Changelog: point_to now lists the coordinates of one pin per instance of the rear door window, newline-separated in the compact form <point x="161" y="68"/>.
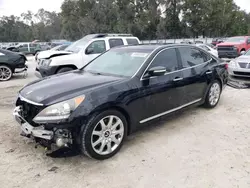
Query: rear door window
<point x="204" y="47"/>
<point x="192" y="57"/>
<point x="115" y="42"/>
<point x="132" y="41"/>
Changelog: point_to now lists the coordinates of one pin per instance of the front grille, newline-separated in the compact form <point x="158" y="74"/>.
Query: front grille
<point x="225" y="48"/>
<point x="242" y="73"/>
<point x="243" y="65"/>
<point x="29" y="111"/>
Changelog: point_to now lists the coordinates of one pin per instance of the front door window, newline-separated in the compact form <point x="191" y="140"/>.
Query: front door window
<point x="96" y="47"/>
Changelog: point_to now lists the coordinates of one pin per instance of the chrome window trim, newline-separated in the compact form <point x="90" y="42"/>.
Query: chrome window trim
<point x="175" y="70"/>
<point x="145" y="61"/>
<point x="29" y="101"/>
<point x="169" y="111"/>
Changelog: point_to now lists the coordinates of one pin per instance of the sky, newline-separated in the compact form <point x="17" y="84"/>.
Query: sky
<point x="16" y="7"/>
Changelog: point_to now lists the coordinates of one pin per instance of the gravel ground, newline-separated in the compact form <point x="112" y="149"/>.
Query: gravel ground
<point x="197" y="148"/>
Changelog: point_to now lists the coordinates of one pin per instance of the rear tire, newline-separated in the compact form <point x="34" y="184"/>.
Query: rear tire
<point x="213" y="95"/>
<point x="5" y="73"/>
<point x="103" y="136"/>
<point x="64" y="69"/>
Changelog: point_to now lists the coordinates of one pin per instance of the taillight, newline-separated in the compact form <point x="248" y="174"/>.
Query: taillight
<point x="226" y="65"/>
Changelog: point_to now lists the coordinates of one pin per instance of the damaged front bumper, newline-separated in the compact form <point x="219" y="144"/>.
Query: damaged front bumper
<point x="29" y="130"/>
<point x="59" y="137"/>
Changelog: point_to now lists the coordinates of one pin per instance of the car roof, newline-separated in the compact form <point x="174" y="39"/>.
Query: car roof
<point x="108" y="35"/>
<point x="152" y="47"/>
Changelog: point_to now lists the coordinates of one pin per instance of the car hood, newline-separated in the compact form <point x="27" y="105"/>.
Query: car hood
<point x="50" y="53"/>
<point x="65" y="86"/>
<point x="243" y="58"/>
<point x="229" y="44"/>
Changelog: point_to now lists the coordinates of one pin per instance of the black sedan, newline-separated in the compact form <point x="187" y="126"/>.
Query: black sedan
<point x="10" y="62"/>
<point x="95" y="108"/>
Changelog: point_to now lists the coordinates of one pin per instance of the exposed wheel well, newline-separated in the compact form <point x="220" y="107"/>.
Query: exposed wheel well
<point x="219" y="80"/>
<point x="63" y="66"/>
<point x="243" y="49"/>
<point x="5" y="64"/>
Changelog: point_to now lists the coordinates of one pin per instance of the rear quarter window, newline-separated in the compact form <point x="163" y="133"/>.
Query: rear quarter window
<point x="206" y="56"/>
<point x="115" y="42"/>
<point x="132" y="41"/>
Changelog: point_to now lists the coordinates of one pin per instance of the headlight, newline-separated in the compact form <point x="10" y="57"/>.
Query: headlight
<point x="232" y="64"/>
<point x="235" y="48"/>
<point x="45" y="62"/>
<point x="59" y="111"/>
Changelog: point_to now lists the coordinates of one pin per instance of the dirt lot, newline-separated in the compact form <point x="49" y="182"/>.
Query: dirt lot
<point x="198" y="148"/>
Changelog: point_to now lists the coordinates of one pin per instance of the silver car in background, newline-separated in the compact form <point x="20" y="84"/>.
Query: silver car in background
<point x="240" y="67"/>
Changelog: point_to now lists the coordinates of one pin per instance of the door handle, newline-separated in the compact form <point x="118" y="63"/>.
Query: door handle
<point x="209" y="72"/>
<point x="177" y="79"/>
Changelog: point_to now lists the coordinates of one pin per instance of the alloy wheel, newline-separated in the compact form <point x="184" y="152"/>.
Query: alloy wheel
<point x="214" y="94"/>
<point x="107" y="135"/>
<point x="5" y="73"/>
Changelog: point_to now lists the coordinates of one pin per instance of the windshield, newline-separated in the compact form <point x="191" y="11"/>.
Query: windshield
<point x="78" y="45"/>
<point x="236" y="39"/>
<point x="56" y="47"/>
<point x="120" y="62"/>
<point x="247" y="53"/>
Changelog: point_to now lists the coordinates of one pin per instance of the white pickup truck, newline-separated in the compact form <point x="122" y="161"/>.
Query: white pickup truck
<point x="80" y="53"/>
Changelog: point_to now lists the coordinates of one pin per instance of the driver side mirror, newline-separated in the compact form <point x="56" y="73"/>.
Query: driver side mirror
<point x="156" y="71"/>
<point x="89" y="51"/>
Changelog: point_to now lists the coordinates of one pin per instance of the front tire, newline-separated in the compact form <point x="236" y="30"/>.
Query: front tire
<point x="103" y="136"/>
<point x="213" y="95"/>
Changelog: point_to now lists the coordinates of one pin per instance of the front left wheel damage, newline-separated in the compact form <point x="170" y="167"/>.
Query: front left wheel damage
<point x="61" y="144"/>
<point x="101" y="137"/>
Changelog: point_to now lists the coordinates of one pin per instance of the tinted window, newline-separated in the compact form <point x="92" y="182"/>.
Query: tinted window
<point x="115" y="42"/>
<point x="204" y="47"/>
<point x="166" y="58"/>
<point x="191" y="57"/>
<point x="33" y="45"/>
<point x="206" y="57"/>
<point x="248" y="40"/>
<point x="97" y="47"/>
<point x="132" y="41"/>
<point x="24" y="46"/>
